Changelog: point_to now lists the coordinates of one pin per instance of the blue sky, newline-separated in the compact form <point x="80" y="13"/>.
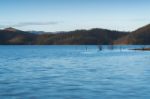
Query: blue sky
<point x="66" y="15"/>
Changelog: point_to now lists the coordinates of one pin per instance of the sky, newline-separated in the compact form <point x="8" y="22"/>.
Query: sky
<point x="67" y="15"/>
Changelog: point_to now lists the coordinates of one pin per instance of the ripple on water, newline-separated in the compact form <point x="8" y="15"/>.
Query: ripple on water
<point x="37" y="72"/>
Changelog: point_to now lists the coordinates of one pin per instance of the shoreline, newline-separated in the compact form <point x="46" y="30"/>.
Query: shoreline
<point x="142" y="49"/>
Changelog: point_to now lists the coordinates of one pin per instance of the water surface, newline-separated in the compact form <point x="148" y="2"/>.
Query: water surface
<point x="72" y="72"/>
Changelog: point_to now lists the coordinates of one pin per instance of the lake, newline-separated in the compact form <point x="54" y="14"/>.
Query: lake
<point x="72" y="72"/>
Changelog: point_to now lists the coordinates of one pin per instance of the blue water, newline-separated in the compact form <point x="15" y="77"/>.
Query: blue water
<point x="71" y="72"/>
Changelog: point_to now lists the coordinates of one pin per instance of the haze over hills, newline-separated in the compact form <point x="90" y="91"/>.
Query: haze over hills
<point x="12" y="36"/>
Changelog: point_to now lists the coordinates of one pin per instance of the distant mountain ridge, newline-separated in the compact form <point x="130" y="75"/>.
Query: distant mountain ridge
<point x="12" y="36"/>
<point x="11" y="29"/>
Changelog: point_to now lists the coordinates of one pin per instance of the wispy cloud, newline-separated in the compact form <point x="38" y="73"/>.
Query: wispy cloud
<point x="23" y="24"/>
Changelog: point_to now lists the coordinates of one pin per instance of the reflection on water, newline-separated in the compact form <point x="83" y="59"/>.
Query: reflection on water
<point x="71" y="72"/>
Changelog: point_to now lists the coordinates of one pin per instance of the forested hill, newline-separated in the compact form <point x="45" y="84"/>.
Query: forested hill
<point x="11" y="36"/>
<point x="140" y="36"/>
<point x="81" y="37"/>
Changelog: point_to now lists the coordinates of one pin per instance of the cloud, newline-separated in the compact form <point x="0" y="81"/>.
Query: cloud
<point x="24" y="24"/>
